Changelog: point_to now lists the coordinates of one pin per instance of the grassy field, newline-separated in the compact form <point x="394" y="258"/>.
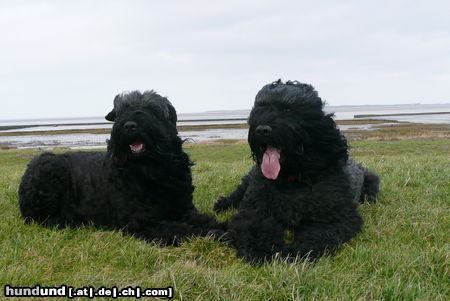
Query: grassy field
<point x="403" y="253"/>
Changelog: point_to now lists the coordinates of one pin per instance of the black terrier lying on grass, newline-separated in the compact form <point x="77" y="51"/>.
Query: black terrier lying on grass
<point x="303" y="180"/>
<point x="142" y="184"/>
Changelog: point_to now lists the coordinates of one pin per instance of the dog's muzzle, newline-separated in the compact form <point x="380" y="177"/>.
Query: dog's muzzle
<point x="130" y="129"/>
<point x="270" y="163"/>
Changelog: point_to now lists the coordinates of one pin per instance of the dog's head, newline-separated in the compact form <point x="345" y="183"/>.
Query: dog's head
<point x="144" y="126"/>
<point x="290" y="134"/>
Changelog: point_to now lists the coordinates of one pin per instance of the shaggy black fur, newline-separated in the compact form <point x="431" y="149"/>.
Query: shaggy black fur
<point x="303" y="182"/>
<point x="142" y="184"/>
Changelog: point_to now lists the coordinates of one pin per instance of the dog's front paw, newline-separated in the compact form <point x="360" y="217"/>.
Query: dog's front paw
<point x="222" y="204"/>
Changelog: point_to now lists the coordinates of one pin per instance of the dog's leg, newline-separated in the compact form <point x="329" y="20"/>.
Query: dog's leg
<point x="317" y="238"/>
<point x="173" y="232"/>
<point x="256" y="238"/>
<point x="234" y="199"/>
<point x="163" y="232"/>
<point x="371" y="187"/>
<point x="202" y="224"/>
<point x="45" y="190"/>
<point x="199" y="224"/>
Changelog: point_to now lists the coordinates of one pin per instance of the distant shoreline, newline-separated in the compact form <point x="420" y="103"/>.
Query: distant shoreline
<point x="191" y="127"/>
<point x="181" y="115"/>
<point x="398" y="114"/>
<point x="180" y="128"/>
<point x="18" y="127"/>
<point x="381" y="131"/>
<point x="356" y="123"/>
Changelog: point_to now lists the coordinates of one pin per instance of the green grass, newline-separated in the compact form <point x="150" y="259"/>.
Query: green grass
<point x="403" y="253"/>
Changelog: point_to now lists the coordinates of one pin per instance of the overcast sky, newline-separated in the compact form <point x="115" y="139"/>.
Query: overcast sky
<point x="70" y="58"/>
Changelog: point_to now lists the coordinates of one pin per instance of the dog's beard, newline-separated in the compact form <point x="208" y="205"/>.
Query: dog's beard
<point x="124" y="147"/>
<point x="269" y="157"/>
<point x="136" y="145"/>
<point x="277" y="154"/>
<point x="143" y="146"/>
<point x="266" y="151"/>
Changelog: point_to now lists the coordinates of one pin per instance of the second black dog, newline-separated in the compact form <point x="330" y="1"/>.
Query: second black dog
<point x="301" y="196"/>
<point x="142" y="184"/>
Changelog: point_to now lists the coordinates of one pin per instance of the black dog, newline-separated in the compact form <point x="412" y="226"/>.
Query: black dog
<point x="142" y="184"/>
<point x="303" y="184"/>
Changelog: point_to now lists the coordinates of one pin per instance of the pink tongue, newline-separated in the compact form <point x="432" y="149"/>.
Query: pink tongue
<point x="270" y="166"/>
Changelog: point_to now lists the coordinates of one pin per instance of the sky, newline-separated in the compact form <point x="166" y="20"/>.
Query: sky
<point x="70" y="58"/>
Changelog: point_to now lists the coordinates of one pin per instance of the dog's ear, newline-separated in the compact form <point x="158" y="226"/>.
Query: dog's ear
<point x="172" y="113"/>
<point x="111" y="115"/>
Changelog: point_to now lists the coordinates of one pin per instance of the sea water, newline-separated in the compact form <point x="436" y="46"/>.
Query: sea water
<point x="88" y="140"/>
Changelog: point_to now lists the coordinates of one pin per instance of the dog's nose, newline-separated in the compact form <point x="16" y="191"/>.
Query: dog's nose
<point x="130" y="126"/>
<point x="263" y="130"/>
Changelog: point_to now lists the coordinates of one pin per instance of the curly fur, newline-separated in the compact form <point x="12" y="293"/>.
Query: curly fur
<point x="316" y="193"/>
<point x="146" y="193"/>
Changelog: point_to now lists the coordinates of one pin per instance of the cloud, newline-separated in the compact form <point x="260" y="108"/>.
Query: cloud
<point x="69" y="58"/>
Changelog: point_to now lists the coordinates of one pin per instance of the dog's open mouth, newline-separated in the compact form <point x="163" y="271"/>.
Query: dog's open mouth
<point x="270" y="165"/>
<point x="137" y="147"/>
